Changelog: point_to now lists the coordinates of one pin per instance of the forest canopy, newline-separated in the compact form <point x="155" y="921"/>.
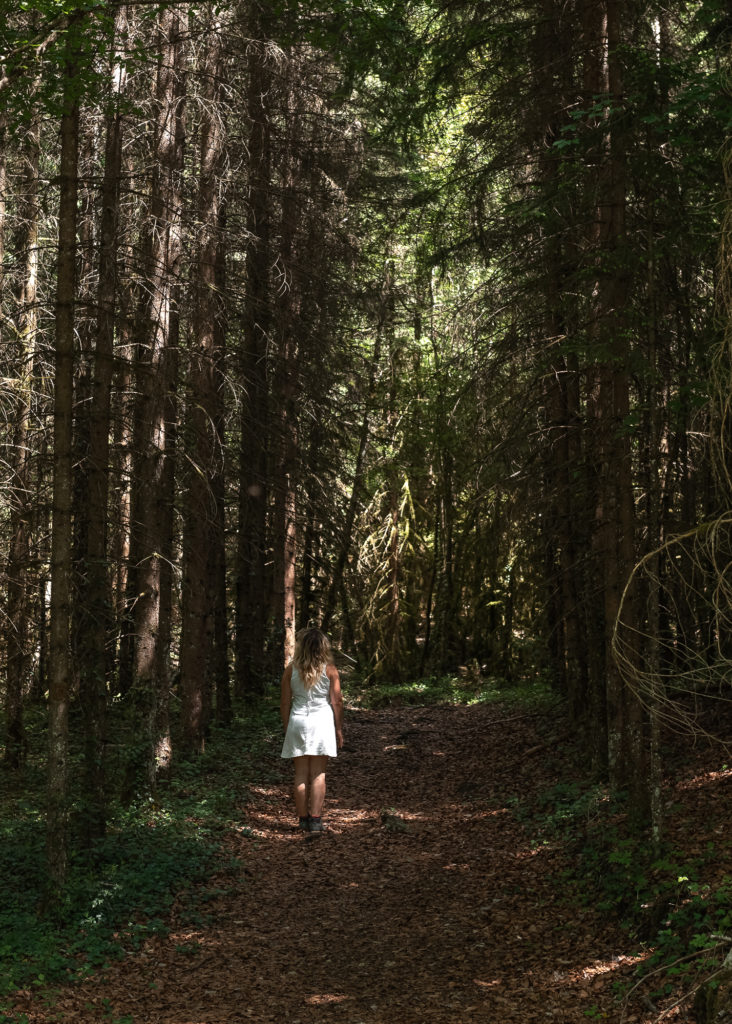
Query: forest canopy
<point x="403" y="319"/>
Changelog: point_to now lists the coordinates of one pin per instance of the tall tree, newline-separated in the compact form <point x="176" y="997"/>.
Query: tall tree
<point x="610" y="404"/>
<point x="24" y="343"/>
<point x="61" y="538"/>
<point x="286" y="363"/>
<point x="204" y="564"/>
<point x="251" y="574"/>
<point x="152" y="512"/>
<point x="95" y="611"/>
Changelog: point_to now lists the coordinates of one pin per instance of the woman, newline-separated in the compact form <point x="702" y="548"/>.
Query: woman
<point x="311" y="706"/>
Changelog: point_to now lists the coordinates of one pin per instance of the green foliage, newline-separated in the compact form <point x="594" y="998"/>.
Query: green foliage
<point x="49" y="52"/>
<point x="121" y="890"/>
<point x="650" y="891"/>
<point x="688" y="942"/>
<point x="108" y="906"/>
<point x="449" y="689"/>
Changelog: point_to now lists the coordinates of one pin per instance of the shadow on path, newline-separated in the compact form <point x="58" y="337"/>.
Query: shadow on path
<point x="423" y="903"/>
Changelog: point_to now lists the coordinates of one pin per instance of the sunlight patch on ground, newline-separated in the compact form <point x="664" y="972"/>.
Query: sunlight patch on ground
<point x="607" y="966"/>
<point x="592" y="980"/>
<point x="267" y="823"/>
<point x="411" y="815"/>
<point x="699" y="781"/>
<point x="352" y="817"/>
<point x="593" y="975"/>
<point x="527" y="854"/>
<point x="267" y="790"/>
<point x="181" y="938"/>
<point x="325" y="999"/>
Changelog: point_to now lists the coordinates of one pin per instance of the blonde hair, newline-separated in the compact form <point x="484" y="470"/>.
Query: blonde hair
<point x="312" y="654"/>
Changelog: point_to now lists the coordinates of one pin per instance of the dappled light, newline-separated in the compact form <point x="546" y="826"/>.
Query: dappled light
<point x="325" y="999"/>
<point x="417" y="905"/>
<point x="707" y="779"/>
<point x="383" y="345"/>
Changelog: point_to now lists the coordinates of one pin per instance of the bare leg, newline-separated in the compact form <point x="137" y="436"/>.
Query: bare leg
<point x="301" y="785"/>
<point x="317" y="784"/>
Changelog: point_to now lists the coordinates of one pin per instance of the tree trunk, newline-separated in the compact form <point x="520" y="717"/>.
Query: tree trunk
<point x="41" y="554"/>
<point x="61" y="536"/>
<point x="3" y="209"/>
<point x="392" y="667"/>
<point x="251" y="591"/>
<point x="614" y="512"/>
<point x="592" y="583"/>
<point x="630" y="770"/>
<point x="203" y="557"/>
<point x="564" y="473"/>
<point x="154" y="442"/>
<point x="285" y="383"/>
<point x="309" y="610"/>
<point x="284" y="526"/>
<point x="219" y="664"/>
<point x="21" y="498"/>
<point x="95" y="611"/>
<point x="654" y="527"/>
<point x="122" y="473"/>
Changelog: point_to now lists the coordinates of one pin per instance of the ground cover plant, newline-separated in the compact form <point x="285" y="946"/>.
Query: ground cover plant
<point x="673" y="898"/>
<point x="411" y="319"/>
<point x="468" y="796"/>
<point x="121" y="888"/>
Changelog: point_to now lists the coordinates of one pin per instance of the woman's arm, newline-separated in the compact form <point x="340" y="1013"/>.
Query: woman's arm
<point x="286" y="696"/>
<point x="336" y="701"/>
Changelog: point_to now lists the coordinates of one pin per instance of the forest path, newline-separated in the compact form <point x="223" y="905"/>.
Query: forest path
<point x="424" y="903"/>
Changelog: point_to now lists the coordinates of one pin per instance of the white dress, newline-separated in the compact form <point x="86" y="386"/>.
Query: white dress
<point x="311" y="728"/>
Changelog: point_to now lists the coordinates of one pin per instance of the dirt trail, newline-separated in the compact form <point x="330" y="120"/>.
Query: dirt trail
<point x="424" y="903"/>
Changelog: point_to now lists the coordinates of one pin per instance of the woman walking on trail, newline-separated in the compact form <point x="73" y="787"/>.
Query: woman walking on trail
<point x="311" y="707"/>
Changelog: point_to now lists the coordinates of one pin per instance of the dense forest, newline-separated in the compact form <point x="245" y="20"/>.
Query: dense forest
<point x="403" y="319"/>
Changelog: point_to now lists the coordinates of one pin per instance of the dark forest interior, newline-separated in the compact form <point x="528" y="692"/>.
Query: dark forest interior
<point x="408" y="320"/>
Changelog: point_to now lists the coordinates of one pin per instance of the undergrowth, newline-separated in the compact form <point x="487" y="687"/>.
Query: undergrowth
<point x="679" y="923"/>
<point x="166" y="854"/>
<point x="465" y="689"/>
<point x="121" y="890"/>
<point x="156" y="854"/>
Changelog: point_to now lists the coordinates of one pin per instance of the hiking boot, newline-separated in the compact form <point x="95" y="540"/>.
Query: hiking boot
<point x="316" y="825"/>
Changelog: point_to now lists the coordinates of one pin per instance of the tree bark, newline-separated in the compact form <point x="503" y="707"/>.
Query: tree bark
<point x="285" y="377"/>
<point x="61" y="536"/>
<point x="21" y="497"/>
<point x="219" y="663"/>
<point x="392" y="664"/>
<point x="614" y="511"/>
<point x="95" y="598"/>
<point x="203" y="555"/>
<point x="155" y="408"/>
<point x="122" y="472"/>
<point x="251" y="578"/>
<point x="3" y="208"/>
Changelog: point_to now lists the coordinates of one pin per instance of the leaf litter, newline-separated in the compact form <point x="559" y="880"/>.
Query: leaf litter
<point x="424" y="902"/>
